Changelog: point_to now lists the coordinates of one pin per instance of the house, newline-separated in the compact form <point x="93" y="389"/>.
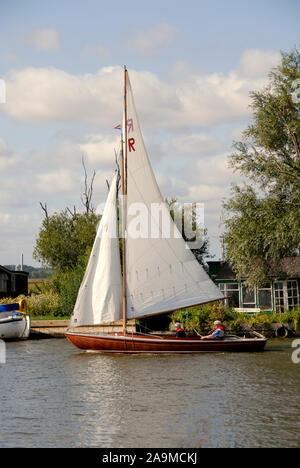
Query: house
<point x="280" y="293"/>
<point x="13" y="283"/>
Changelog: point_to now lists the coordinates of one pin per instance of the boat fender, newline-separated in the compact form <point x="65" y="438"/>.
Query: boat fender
<point x="22" y="305"/>
<point x="281" y="332"/>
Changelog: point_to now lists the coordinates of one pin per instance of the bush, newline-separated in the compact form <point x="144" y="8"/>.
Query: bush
<point x="43" y="305"/>
<point x="66" y="286"/>
<point x="63" y="286"/>
<point x="202" y="317"/>
<point x="38" y="305"/>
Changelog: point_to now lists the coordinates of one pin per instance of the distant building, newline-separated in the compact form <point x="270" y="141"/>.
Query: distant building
<point x="13" y="283"/>
<point x="281" y="292"/>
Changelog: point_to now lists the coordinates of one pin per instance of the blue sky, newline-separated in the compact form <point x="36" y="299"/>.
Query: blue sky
<point x="61" y="63"/>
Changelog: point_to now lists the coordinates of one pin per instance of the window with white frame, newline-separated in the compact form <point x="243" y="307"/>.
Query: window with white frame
<point x="232" y="290"/>
<point x="279" y="296"/>
<point x="248" y="297"/>
<point x="286" y="295"/>
<point x="292" y="294"/>
<point x="265" y="296"/>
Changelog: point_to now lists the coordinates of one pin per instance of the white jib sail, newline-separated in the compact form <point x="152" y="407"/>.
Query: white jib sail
<point x="162" y="272"/>
<point x="99" y="298"/>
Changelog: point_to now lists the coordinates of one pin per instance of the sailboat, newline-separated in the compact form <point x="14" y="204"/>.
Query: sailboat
<point x="159" y="273"/>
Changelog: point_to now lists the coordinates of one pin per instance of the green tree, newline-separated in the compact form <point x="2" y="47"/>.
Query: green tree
<point x="262" y="220"/>
<point x="64" y="238"/>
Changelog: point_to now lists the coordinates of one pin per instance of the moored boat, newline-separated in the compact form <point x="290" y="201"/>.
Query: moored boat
<point x="159" y="272"/>
<point x="14" y="322"/>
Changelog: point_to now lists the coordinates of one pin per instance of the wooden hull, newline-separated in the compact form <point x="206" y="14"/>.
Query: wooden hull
<point x="119" y="343"/>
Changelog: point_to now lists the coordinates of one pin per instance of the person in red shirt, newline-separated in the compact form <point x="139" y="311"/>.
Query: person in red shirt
<point x="179" y="330"/>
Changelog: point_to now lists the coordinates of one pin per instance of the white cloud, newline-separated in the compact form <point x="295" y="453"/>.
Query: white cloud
<point x="257" y="63"/>
<point x="45" y="39"/>
<point x="99" y="149"/>
<point x="193" y="144"/>
<point x="52" y="95"/>
<point x="150" y="41"/>
<point x="213" y="172"/>
<point x="62" y="180"/>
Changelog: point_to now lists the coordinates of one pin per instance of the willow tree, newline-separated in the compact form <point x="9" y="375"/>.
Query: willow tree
<point x="262" y="217"/>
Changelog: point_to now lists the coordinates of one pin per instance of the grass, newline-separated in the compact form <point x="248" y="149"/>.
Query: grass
<point x="36" y="285"/>
<point x="48" y="317"/>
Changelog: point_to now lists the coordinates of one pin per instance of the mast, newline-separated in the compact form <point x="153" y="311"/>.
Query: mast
<point x="124" y="196"/>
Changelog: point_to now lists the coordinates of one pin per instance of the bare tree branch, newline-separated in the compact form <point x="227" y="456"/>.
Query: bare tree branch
<point x="45" y="209"/>
<point x="88" y="190"/>
<point x="72" y="213"/>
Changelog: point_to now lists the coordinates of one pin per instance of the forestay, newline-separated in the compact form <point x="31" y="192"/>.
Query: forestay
<point x="100" y="295"/>
<point x="162" y="272"/>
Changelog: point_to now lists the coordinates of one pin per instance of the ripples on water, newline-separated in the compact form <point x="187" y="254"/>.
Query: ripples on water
<point x="53" y="395"/>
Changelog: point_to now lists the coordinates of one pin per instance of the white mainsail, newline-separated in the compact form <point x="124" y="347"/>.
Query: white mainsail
<point x="100" y="295"/>
<point x="162" y="272"/>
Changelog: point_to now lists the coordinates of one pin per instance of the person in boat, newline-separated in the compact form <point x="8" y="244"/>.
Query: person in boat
<point x="217" y="334"/>
<point x="180" y="333"/>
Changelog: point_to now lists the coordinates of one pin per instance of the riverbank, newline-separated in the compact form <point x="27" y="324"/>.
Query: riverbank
<point x="57" y="329"/>
<point x="45" y="321"/>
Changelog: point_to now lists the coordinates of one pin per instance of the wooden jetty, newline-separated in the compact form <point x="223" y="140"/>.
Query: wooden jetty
<point x="57" y="328"/>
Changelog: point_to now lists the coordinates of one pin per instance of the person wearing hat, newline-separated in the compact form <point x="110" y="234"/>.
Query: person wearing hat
<point x="217" y="334"/>
<point x="180" y="333"/>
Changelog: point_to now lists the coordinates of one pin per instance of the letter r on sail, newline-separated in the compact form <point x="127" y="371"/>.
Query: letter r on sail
<point x="131" y="142"/>
<point x="130" y="125"/>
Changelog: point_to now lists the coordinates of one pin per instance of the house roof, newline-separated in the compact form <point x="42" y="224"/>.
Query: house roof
<point x="10" y="272"/>
<point x="221" y="270"/>
<point x="288" y="267"/>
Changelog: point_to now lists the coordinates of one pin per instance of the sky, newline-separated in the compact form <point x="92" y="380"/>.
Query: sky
<point x="192" y="66"/>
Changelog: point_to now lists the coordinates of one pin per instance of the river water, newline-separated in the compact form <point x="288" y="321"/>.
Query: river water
<point x="54" y="395"/>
